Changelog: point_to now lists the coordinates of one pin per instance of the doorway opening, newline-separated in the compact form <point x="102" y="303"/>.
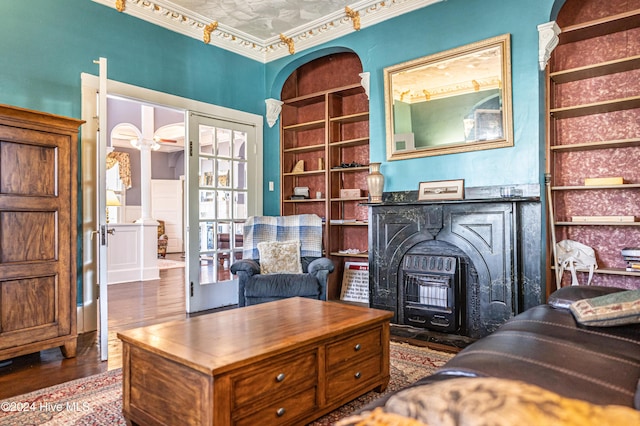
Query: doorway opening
<point x="88" y="314"/>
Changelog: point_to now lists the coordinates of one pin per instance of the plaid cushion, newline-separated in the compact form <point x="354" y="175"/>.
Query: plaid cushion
<point x="307" y="228"/>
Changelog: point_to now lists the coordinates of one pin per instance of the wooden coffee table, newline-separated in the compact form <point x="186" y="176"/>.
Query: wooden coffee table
<point x="284" y="362"/>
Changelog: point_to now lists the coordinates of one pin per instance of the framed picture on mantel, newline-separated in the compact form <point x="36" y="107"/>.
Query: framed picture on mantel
<point x="441" y="190"/>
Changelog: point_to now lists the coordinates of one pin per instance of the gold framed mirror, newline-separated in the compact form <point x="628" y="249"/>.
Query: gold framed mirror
<point x="454" y="101"/>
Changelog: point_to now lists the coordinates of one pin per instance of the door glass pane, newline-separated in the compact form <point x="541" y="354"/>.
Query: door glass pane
<point x="207" y="204"/>
<point x="223" y="200"/>
<point x="224" y="173"/>
<point x="207" y="172"/>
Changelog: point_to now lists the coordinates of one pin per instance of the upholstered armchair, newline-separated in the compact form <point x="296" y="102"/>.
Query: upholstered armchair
<point x="282" y="257"/>
<point x="163" y="240"/>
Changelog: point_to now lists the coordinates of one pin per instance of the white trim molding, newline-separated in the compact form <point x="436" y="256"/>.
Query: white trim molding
<point x="332" y="26"/>
<point x="547" y="41"/>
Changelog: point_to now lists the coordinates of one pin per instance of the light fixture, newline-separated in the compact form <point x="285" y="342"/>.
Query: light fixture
<point x="112" y="201"/>
<point x="154" y="145"/>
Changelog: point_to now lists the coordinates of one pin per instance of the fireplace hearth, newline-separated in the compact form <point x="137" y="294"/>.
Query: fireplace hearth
<point x="460" y="268"/>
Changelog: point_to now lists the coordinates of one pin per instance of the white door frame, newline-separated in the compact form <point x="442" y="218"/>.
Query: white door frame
<point x="88" y="313"/>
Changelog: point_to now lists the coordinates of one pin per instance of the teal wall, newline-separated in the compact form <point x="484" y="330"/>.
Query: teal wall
<point x="46" y="44"/>
<point x="433" y="29"/>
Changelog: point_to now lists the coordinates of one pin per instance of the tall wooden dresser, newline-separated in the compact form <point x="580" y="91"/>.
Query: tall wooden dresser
<point x="38" y="222"/>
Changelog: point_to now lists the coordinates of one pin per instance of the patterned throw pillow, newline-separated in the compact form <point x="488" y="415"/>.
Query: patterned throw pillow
<point x="610" y="310"/>
<point x="280" y="257"/>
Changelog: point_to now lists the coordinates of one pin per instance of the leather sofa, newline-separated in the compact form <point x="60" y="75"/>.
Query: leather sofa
<point x="546" y="347"/>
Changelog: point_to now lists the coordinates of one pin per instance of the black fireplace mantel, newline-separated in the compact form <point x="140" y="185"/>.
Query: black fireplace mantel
<point x="500" y="236"/>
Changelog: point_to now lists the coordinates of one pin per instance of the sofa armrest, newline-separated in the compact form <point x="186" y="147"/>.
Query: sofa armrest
<point x="247" y="266"/>
<point x="564" y="297"/>
<point x="320" y="264"/>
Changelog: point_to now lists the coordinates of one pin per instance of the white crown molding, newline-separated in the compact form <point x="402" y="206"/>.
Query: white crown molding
<point x="304" y="37"/>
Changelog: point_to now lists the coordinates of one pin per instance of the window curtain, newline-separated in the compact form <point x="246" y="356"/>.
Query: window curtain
<point x="121" y="158"/>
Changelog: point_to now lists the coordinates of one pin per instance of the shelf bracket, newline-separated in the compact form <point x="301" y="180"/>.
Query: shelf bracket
<point x="274" y="107"/>
<point x="364" y="82"/>
<point x="547" y="41"/>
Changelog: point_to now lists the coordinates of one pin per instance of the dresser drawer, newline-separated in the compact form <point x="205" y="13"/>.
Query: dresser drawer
<point x="357" y="346"/>
<point x="275" y="377"/>
<point x="284" y="411"/>
<point x="354" y="376"/>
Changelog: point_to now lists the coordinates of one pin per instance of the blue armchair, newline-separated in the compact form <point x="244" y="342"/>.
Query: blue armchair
<point x="255" y="287"/>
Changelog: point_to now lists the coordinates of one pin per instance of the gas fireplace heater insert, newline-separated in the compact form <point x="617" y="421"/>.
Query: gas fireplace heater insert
<point x="432" y="297"/>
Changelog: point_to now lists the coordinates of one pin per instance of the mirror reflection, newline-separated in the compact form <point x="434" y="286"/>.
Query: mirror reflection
<point x="454" y="101"/>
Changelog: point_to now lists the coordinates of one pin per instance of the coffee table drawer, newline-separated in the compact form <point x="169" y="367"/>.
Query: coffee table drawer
<point x="275" y="377"/>
<point x="354" y="376"/>
<point x="284" y="411"/>
<point x="357" y="346"/>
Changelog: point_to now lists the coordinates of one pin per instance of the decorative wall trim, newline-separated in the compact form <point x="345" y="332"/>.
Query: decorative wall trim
<point x="174" y="18"/>
<point x="206" y="37"/>
<point x="289" y="42"/>
<point x="354" y="16"/>
<point x="547" y="41"/>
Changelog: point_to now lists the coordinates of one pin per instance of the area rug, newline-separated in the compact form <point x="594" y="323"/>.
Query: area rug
<point x="97" y="400"/>
<point x="169" y="264"/>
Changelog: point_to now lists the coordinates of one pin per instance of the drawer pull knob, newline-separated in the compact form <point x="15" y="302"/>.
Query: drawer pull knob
<point x="357" y="347"/>
<point x="280" y="377"/>
<point x="357" y="375"/>
<point x="280" y="412"/>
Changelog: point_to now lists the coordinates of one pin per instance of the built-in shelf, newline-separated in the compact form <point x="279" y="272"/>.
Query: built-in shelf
<point x="309" y="125"/>
<point x="598" y="223"/>
<point x="350" y="90"/>
<point x="592" y="39"/>
<point x="350" y="142"/>
<point x="600" y="27"/>
<point x="361" y="255"/>
<point x="351" y="118"/>
<point x="587" y="187"/>
<point x="306" y="200"/>
<point x="350" y="199"/>
<point x="596" y="108"/>
<point x="612" y="271"/>
<point x="309" y="172"/>
<point x="585" y="146"/>
<point x="350" y="169"/>
<point x="300" y="149"/>
<point x="596" y="70"/>
<point x="301" y="101"/>
<point x="326" y="129"/>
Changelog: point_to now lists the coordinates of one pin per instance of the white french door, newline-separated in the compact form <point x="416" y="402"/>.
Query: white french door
<point x="94" y="206"/>
<point x="220" y="171"/>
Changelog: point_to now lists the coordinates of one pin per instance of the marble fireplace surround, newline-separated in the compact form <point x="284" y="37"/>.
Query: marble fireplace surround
<point x="500" y="236"/>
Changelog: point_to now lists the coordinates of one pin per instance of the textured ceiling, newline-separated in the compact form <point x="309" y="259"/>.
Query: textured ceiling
<point x="262" y="19"/>
<point x="265" y="30"/>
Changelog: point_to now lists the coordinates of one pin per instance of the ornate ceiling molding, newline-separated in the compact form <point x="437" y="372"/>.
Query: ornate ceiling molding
<point x="332" y="26"/>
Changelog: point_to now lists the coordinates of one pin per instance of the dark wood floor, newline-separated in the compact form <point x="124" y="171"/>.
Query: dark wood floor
<point x="130" y="305"/>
